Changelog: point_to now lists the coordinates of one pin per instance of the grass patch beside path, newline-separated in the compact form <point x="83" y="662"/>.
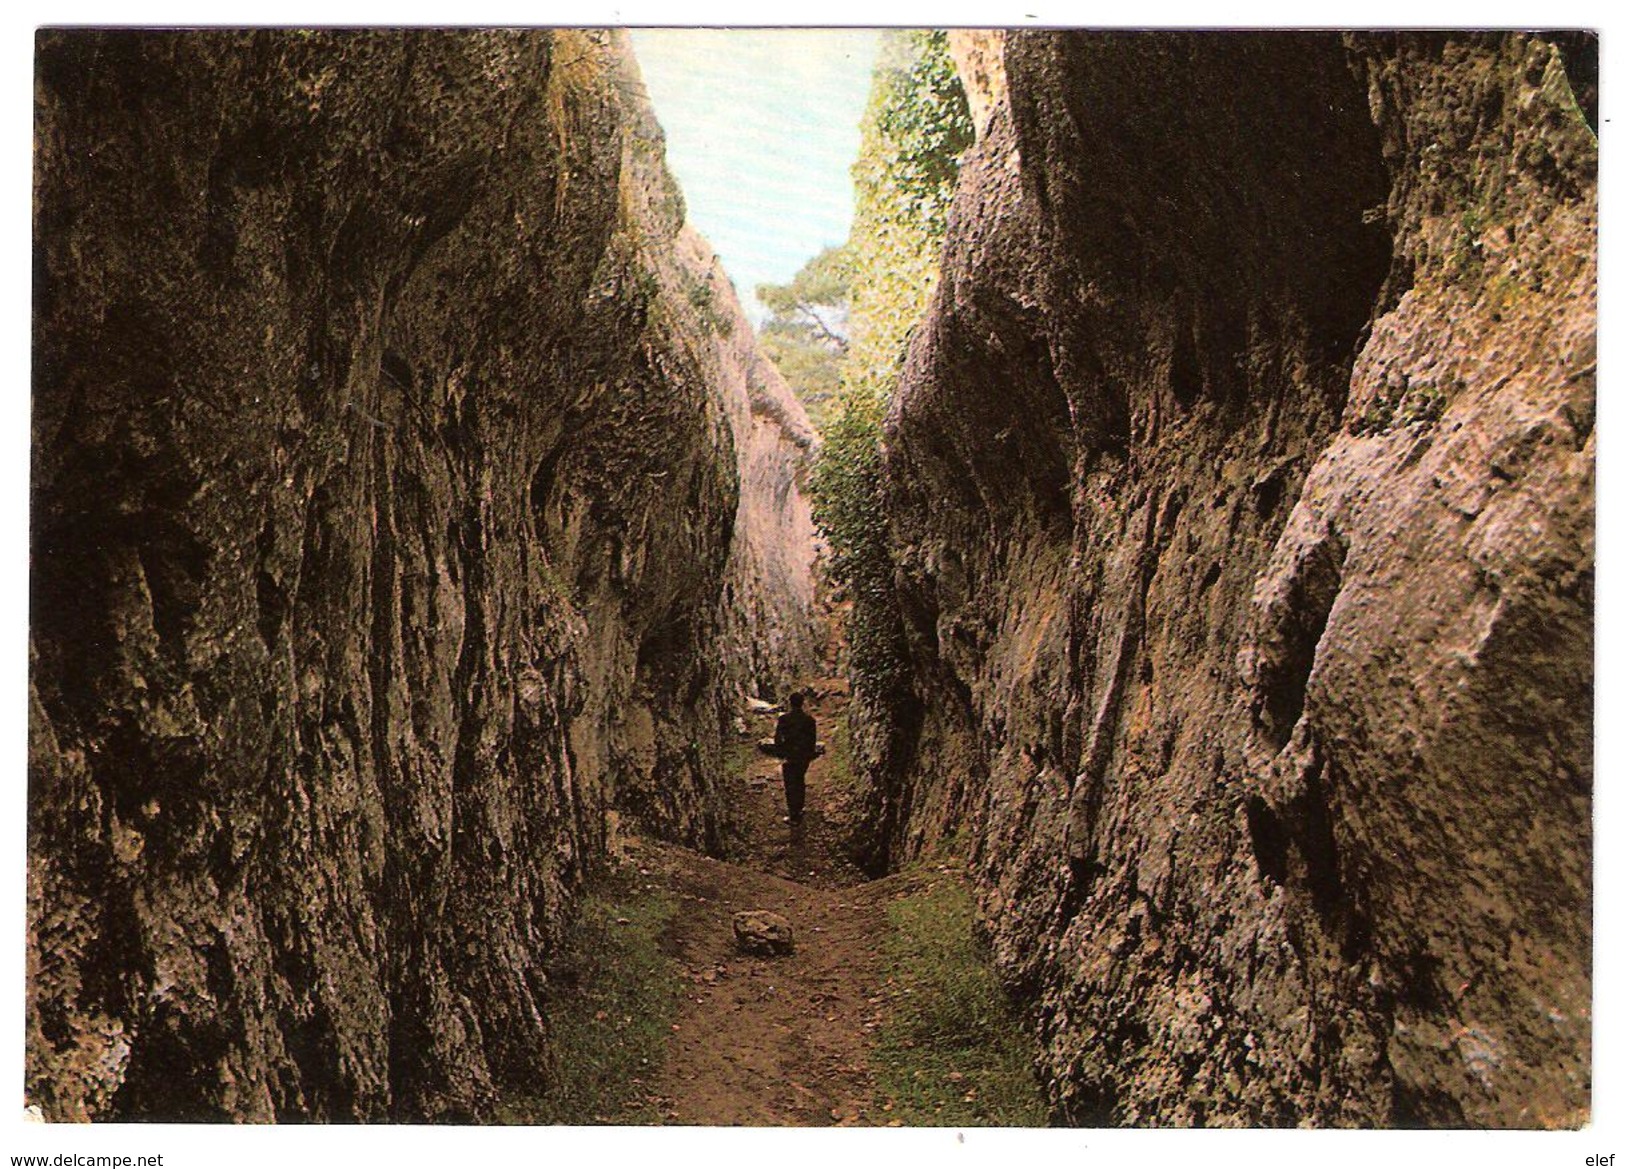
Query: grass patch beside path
<point x="952" y="1050"/>
<point x="610" y="1011"/>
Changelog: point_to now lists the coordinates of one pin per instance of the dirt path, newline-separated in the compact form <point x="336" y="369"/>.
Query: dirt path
<point x="774" y="1041"/>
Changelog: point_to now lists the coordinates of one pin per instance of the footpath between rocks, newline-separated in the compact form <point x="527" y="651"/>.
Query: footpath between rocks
<point x="884" y="1013"/>
<point x="784" y="1039"/>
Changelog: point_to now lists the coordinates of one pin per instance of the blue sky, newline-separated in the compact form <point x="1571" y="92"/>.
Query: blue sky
<point x="761" y="132"/>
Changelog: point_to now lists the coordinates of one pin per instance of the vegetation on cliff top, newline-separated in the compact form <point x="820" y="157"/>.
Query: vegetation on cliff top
<point x="839" y="329"/>
<point x="916" y="126"/>
<point x="805" y="333"/>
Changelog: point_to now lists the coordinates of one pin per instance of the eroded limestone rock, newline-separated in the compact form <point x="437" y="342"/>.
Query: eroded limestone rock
<point x="1241" y="489"/>
<point x="383" y="487"/>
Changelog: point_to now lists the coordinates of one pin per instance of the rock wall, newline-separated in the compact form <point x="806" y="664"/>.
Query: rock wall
<point x="979" y="61"/>
<point x="1241" y="492"/>
<point x="384" y="494"/>
<point x="772" y="629"/>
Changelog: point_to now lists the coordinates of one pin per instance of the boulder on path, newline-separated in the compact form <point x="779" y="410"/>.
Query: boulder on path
<point x="762" y="932"/>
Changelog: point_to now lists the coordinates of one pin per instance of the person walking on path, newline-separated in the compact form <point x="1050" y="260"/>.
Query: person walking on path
<point x="795" y="740"/>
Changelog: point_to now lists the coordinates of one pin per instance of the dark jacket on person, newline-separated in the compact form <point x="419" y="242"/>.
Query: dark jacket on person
<point x="796" y="737"/>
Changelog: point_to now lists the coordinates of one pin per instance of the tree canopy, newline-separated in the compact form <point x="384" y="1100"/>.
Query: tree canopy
<point x="839" y="329"/>
<point x="917" y="125"/>
<point x="805" y="334"/>
<point x="815" y="298"/>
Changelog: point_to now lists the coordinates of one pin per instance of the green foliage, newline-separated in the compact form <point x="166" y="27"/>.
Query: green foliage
<point x="919" y="112"/>
<point x="849" y="506"/>
<point x="846" y="500"/>
<point x="839" y="775"/>
<point x="610" y="1012"/>
<point x="1467" y="247"/>
<point x="701" y="295"/>
<point x="860" y="301"/>
<point x="1414" y="404"/>
<point x="952" y="1050"/>
<point x="815" y="299"/>
<point x="810" y="366"/>
<point x="916" y="124"/>
<point x="803" y="335"/>
<point x="703" y="299"/>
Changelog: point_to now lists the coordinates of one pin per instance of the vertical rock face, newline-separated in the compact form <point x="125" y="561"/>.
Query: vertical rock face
<point x="770" y="633"/>
<point x="979" y="60"/>
<point x="383" y="499"/>
<point x="1241" y="492"/>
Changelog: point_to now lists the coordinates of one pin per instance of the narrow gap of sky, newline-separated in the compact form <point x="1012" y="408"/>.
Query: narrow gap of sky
<point x="761" y="131"/>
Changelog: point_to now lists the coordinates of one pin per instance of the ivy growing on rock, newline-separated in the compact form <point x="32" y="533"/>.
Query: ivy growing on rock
<point x="916" y="125"/>
<point x="915" y="128"/>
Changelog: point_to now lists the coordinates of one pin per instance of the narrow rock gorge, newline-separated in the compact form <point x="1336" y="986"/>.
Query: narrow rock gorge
<point x="408" y="505"/>
<point x="1240" y="496"/>
<point x="412" y="511"/>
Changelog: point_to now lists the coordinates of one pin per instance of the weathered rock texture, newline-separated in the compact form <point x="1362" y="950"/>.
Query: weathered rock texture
<point x="1241" y="493"/>
<point x="771" y="628"/>
<point x="979" y="60"/>
<point x="763" y="932"/>
<point x="384" y="488"/>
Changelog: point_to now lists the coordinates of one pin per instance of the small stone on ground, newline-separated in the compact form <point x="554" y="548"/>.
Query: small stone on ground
<point x="761" y="931"/>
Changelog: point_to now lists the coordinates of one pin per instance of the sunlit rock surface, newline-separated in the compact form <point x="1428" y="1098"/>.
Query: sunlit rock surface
<point x="979" y="60"/>
<point x="1241" y="488"/>
<point x="771" y="622"/>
